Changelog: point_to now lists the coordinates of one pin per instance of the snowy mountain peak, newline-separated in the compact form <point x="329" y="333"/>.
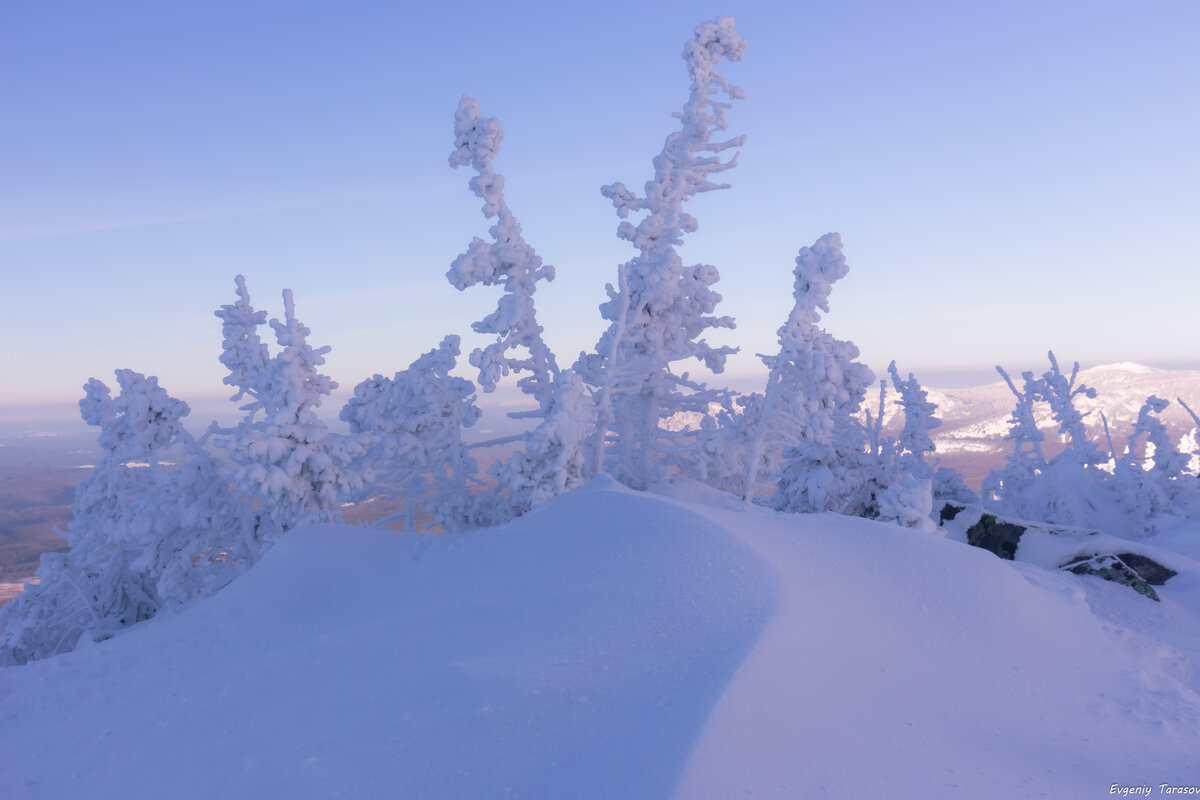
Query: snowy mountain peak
<point x="1119" y="368"/>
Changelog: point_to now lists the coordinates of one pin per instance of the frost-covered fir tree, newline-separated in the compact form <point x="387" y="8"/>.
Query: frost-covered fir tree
<point x="904" y="480"/>
<point x="552" y="462"/>
<point x="798" y="402"/>
<point x="286" y="459"/>
<point x="1190" y="443"/>
<point x="1150" y="478"/>
<point x="1068" y="489"/>
<point x="412" y="426"/>
<point x="145" y="534"/>
<point x="1060" y="392"/>
<point x="506" y="261"/>
<point x="660" y="308"/>
<point x="814" y="392"/>
<point x="914" y="441"/>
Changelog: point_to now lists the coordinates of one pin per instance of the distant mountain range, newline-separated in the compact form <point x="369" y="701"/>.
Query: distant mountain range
<point x="975" y="420"/>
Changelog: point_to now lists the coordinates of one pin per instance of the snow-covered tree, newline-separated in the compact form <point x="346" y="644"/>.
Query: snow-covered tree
<point x="146" y="533"/>
<point x="1068" y="489"/>
<point x="1190" y="443"/>
<point x="243" y="353"/>
<point x="552" y="461"/>
<point x="506" y="261"/>
<point x="1002" y="488"/>
<point x="660" y="308"/>
<point x="1149" y="477"/>
<point x="814" y="392"/>
<point x="905" y="481"/>
<point x="412" y="425"/>
<point x="287" y="460"/>
<point x="803" y="386"/>
<point x="914" y="441"/>
<point x="1060" y="392"/>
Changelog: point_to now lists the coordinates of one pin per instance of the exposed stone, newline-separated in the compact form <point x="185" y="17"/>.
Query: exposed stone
<point x="1003" y="538"/>
<point x="1114" y="568"/>
<point x="1147" y="569"/>
<point x="949" y="512"/>
<point x="995" y="536"/>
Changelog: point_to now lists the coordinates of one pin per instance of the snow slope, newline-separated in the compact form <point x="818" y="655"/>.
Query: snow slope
<point x="614" y="644"/>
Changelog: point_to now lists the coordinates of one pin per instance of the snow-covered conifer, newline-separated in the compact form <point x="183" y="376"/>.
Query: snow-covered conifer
<point x="1060" y="392"/>
<point x="552" y="461"/>
<point x="814" y="392"/>
<point x="243" y="353"/>
<point x="145" y="533"/>
<point x="1068" y="489"/>
<point x="914" y="440"/>
<point x="1002" y="488"/>
<point x="660" y="308"/>
<point x="287" y="460"/>
<point x="905" y="492"/>
<point x="1149" y="477"/>
<point x="413" y="426"/>
<point x="506" y="261"/>
<point x="803" y="385"/>
<point x="1190" y="443"/>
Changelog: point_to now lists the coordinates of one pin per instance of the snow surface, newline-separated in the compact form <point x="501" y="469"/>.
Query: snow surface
<point x="612" y="644"/>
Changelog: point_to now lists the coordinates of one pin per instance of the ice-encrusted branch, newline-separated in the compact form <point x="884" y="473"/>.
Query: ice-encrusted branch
<point x="507" y="261"/>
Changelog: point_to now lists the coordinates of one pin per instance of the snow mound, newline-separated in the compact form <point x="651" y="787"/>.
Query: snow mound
<point x="574" y="653"/>
<point x="617" y="644"/>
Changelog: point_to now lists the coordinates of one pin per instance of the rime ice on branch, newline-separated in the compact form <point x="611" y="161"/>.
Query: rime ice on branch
<point x="506" y="261"/>
<point x="660" y="308"/>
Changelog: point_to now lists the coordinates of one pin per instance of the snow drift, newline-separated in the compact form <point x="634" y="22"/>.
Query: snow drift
<point x="616" y="644"/>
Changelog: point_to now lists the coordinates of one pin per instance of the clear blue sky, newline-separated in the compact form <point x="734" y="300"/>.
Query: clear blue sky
<point x="1007" y="177"/>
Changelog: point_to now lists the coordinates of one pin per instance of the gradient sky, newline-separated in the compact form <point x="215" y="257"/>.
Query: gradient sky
<point x="1008" y="177"/>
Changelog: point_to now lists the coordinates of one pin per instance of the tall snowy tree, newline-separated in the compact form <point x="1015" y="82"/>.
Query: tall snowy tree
<point x="287" y="460"/>
<point x="146" y="533"/>
<point x="812" y="375"/>
<point x="412" y="425"/>
<point x="814" y="392"/>
<point x="660" y="308"/>
<point x="506" y="261"/>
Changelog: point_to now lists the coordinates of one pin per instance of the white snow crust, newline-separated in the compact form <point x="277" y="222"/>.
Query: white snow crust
<point x="616" y="644"/>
